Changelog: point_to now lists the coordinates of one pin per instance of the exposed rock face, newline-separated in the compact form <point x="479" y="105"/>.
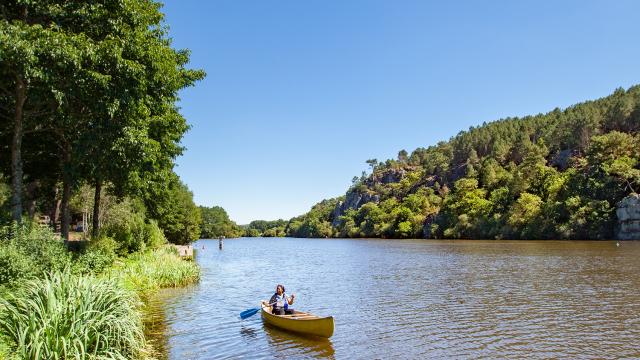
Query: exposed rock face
<point x="628" y="212"/>
<point x="392" y="176"/>
<point x="353" y="200"/>
<point x="389" y="176"/>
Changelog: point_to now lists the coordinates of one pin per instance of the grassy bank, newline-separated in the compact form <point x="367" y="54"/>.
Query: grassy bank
<point x="86" y="305"/>
<point x="147" y="272"/>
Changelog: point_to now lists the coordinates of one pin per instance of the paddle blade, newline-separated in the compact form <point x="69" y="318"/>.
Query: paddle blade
<point x="247" y="313"/>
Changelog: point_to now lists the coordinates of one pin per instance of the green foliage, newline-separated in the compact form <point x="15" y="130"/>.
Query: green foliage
<point x="154" y="236"/>
<point x="28" y="251"/>
<point x="7" y="348"/>
<point x="126" y="223"/>
<point x="97" y="257"/>
<point x="216" y="223"/>
<point x="274" y="228"/>
<point x="553" y="175"/>
<point x="587" y="219"/>
<point x="316" y="223"/>
<point x="97" y="85"/>
<point x="252" y="233"/>
<point x="149" y="271"/>
<point x="177" y="215"/>
<point x="5" y="194"/>
<point x="68" y="316"/>
<point x="524" y="216"/>
<point x="15" y="265"/>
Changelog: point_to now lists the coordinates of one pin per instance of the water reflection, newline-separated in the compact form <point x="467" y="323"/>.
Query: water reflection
<point x="284" y="342"/>
<point x="155" y="328"/>
<point x="248" y="333"/>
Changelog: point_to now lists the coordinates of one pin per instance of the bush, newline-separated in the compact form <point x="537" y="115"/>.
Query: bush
<point x="64" y="316"/>
<point x="98" y="255"/>
<point x="30" y="250"/>
<point x="154" y="236"/>
<point x="128" y="226"/>
<point x="14" y="265"/>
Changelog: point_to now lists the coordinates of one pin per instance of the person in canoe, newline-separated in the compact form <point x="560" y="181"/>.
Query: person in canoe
<point x="281" y="302"/>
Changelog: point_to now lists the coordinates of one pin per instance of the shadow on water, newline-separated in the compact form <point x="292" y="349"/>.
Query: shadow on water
<point x="155" y="328"/>
<point x="284" y="342"/>
<point x="248" y="333"/>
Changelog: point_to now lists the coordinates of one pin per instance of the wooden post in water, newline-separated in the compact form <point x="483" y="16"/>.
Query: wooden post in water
<point x="220" y="242"/>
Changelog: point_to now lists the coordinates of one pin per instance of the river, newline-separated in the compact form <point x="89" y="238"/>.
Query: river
<point x="412" y="299"/>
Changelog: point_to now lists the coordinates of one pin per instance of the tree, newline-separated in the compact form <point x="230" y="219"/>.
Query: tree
<point x="372" y="164"/>
<point x="36" y="59"/>
<point x="104" y="79"/>
<point x="524" y="215"/>
<point x="403" y="156"/>
<point x="216" y="223"/>
<point x="173" y="207"/>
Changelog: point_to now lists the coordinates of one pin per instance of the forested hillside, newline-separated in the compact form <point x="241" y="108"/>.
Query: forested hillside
<point x="557" y="175"/>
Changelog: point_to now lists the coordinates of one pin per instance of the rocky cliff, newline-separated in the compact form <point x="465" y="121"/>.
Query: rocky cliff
<point x="353" y="200"/>
<point x="628" y="212"/>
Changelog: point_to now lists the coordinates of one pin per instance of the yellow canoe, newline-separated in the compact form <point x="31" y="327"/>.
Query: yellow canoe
<point x="299" y="322"/>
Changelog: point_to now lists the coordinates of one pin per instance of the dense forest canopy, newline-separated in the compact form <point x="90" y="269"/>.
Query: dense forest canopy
<point x="557" y="175"/>
<point x="216" y="223"/>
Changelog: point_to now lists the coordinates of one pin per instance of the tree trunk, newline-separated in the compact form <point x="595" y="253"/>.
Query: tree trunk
<point x="66" y="194"/>
<point x="96" y="209"/>
<point x="16" y="151"/>
<point x="66" y="216"/>
<point x="29" y="196"/>
<point x="54" y="210"/>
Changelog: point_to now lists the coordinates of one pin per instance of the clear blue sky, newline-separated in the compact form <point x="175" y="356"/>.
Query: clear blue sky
<point x="300" y="93"/>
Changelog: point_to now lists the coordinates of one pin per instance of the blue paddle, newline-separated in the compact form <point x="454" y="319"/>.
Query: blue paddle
<point x="250" y="312"/>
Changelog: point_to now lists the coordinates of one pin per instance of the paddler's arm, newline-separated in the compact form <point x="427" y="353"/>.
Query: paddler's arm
<point x="290" y="300"/>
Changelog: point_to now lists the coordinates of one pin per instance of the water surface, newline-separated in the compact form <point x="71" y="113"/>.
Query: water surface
<point x="413" y="299"/>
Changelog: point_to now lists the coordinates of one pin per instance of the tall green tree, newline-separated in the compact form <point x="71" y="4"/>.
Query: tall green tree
<point x="102" y="77"/>
<point x="171" y="204"/>
<point x="216" y="223"/>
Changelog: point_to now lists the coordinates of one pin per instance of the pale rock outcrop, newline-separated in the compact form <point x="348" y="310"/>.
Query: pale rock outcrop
<point x="628" y="211"/>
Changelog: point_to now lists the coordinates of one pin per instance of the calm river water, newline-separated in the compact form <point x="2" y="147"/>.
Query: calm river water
<point x="413" y="299"/>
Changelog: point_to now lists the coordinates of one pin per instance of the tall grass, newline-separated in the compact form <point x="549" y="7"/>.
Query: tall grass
<point x="66" y="316"/>
<point x="150" y="271"/>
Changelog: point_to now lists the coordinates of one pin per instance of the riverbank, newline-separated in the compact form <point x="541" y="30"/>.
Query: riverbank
<point x="56" y="303"/>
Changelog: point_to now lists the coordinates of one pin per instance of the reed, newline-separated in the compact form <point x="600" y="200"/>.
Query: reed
<point x="66" y="316"/>
<point x="150" y="271"/>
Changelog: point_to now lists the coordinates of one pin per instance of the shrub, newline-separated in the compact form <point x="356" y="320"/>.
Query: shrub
<point x="98" y="255"/>
<point x="127" y="224"/>
<point x="14" y="265"/>
<point x="30" y="250"/>
<point x="64" y="316"/>
<point x="154" y="237"/>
